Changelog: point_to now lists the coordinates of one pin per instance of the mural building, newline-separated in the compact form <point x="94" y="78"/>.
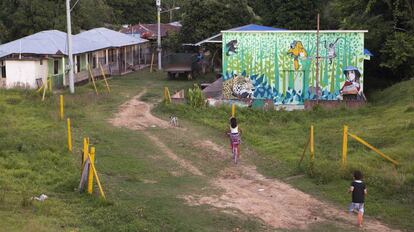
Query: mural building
<point x="280" y="65"/>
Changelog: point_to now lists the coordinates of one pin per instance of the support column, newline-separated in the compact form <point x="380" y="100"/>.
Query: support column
<point x="106" y="56"/>
<point x="64" y="71"/>
<point x="125" y="56"/>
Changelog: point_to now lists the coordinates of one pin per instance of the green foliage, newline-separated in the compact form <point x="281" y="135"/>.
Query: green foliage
<point x="195" y="97"/>
<point x="398" y="54"/>
<point x="293" y="15"/>
<point x="25" y="17"/>
<point x="204" y="18"/>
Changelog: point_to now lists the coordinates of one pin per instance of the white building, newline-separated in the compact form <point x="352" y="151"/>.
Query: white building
<point x="29" y="61"/>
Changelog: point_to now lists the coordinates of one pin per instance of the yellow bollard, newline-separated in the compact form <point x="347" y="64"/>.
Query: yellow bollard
<point x="312" y="148"/>
<point x="233" y="110"/>
<point x="61" y="107"/>
<point x="50" y="83"/>
<point x="85" y="151"/>
<point x="344" y="146"/>
<point x="69" y="136"/>
<point x="90" y="174"/>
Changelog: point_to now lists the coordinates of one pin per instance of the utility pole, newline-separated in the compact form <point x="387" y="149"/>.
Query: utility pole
<point x="158" y="3"/>
<point x="69" y="33"/>
<point x="317" y="60"/>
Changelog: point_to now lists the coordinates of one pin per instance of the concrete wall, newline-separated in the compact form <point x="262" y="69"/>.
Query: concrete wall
<point x="23" y="73"/>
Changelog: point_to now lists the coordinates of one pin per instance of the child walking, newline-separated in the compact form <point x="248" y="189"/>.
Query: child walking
<point x="358" y="190"/>
<point x="234" y="134"/>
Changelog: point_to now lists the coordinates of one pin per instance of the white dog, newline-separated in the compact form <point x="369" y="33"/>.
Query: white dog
<point x="173" y="121"/>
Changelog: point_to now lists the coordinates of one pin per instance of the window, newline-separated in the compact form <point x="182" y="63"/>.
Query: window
<point x="41" y="62"/>
<point x="56" y="67"/>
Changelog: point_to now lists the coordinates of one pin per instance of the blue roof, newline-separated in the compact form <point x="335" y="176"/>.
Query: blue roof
<point x="367" y="52"/>
<point x="254" y="27"/>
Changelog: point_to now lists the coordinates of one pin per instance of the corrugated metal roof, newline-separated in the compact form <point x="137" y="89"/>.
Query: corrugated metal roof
<point x="44" y="43"/>
<point x="254" y="27"/>
<point x="54" y="42"/>
<point x="105" y="38"/>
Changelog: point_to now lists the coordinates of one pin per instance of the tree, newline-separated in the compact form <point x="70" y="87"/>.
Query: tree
<point x="133" y="11"/>
<point x="25" y="17"/>
<point x="204" y="18"/>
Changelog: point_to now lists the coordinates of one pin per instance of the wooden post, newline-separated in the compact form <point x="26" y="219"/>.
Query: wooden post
<point x="317" y="60"/>
<point x="152" y="62"/>
<point x="95" y="173"/>
<point x="85" y="151"/>
<point x="373" y="148"/>
<point x="233" y="110"/>
<point x="344" y="146"/>
<point x="44" y="89"/>
<point x="69" y="136"/>
<point x="104" y="77"/>
<point x="312" y="148"/>
<point x="61" y="107"/>
<point x="93" y="79"/>
<point x="90" y="174"/>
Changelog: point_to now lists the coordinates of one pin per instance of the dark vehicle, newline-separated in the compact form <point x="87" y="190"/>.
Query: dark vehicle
<point x="181" y="63"/>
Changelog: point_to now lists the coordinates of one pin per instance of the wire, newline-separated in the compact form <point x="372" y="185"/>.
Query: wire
<point x="74" y="5"/>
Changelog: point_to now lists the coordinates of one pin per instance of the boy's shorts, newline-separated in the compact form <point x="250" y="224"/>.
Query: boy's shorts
<point x="356" y="207"/>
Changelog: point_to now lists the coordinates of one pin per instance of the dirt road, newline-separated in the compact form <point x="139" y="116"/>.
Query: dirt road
<point x="274" y="202"/>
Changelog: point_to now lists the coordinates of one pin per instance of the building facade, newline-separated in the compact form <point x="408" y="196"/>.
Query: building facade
<point x="281" y="65"/>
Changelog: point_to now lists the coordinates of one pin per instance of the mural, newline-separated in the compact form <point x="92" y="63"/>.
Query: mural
<point x="280" y="66"/>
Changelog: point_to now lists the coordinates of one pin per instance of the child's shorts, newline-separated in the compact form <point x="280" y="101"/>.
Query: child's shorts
<point x="356" y="207"/>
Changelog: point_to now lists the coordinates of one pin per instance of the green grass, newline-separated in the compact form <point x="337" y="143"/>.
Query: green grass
<point x="279" y="137"/>
<point x="139" y="181"/>
<point x="141" y="191"/>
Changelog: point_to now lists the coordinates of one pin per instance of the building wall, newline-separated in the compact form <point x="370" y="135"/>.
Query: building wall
<point x="23" y="73"/>
<point x="281" y="66"/>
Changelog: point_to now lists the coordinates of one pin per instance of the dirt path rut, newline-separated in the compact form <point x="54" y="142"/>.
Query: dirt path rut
<point x="274" y="202"/>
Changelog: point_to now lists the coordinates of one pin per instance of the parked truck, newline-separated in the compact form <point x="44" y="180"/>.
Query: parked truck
<point x="177" y="64"/>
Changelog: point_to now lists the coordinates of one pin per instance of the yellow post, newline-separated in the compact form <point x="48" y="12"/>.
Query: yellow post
<point x="312" y="148"/>
<point x="344" y="146"/>
<point x="85" y="151"/>
<point x="61" y="107"/>
<point x="93" y="79"/>
<point x="95" y="173"/>
<point x="373" y="148"/>
<point x="233" y="110"/>
<point x="90" y="174"/>
<point x="50" y="83"/>
<point x="69" y="136"/>
<point x="104" y="77"/>
<point x="44" y="90"/>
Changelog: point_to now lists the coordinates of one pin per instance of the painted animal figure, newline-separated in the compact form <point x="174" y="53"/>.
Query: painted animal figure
<point x="297" y="50"/>
<point x="231" y="47"/>
<point x="238" y="86"/>
<point x="331" y="50"/>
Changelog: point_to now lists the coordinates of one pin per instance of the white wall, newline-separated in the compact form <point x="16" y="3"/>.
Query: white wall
<point x="23" y="73"/>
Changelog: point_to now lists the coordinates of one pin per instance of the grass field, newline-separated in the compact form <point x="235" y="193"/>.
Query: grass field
<point x="139" y="181"/>
<point x="279" y="138"/>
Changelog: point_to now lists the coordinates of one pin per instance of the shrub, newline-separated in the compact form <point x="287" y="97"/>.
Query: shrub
<point x="195" y="97"/>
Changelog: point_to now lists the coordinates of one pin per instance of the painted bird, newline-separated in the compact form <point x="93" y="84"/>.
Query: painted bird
<point x="296" y="50"/>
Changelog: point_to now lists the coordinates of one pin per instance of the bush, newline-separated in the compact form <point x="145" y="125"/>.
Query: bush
<point x="195" y="97"/>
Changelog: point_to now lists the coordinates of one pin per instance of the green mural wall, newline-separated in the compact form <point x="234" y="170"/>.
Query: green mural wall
<point x="281" y="65"/>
